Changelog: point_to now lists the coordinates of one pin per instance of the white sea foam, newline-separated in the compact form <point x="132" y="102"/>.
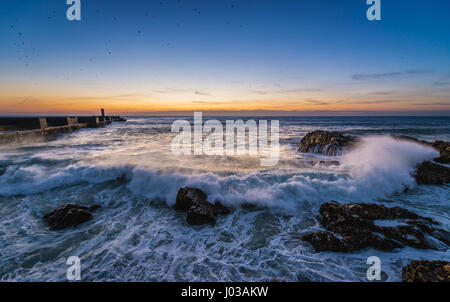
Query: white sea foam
<point x="376" y="168"/>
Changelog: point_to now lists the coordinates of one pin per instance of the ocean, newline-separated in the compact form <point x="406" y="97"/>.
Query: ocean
<point x="129" y="170"/>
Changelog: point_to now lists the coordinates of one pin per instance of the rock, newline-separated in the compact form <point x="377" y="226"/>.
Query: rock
<point x="426" y="271"/>
<point x="326" y="163"/>
<point x="441" y="146"/>
<point x="199" y="210"/>
<point x="220" y="209"/>
<point x="325" y="142"/>
<point x="351" y="227"/>
<point x="444" y="152"/>
<point x="94" y="207"/>
<point x="201" y="213"/>
<point x="68" y="215"/>
<point x="187" y="197"/>
<point x="326" y="241"/>
<point x="429" y="173"/>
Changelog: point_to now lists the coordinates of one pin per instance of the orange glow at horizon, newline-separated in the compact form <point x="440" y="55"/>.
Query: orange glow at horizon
<point x="16" y="102"/>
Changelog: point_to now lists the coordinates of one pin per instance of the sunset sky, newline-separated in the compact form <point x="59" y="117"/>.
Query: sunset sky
<point x="260" y="57"/>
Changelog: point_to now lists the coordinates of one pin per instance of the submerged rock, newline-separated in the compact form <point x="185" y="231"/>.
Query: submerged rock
<point x="69" y="215"/>
<point x="426" y="271"/>
<point x="429" y="173"/>
<point x="326" y="163"/>
<point x="325" y="142"/>
<point x="199" y="210"/>
<point x="351" y="227"/>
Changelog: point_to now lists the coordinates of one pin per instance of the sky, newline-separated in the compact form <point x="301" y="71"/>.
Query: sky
<point x="248" y="57"/>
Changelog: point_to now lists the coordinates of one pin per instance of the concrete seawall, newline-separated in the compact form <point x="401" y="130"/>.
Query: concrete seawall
<point x="20" y="130"/>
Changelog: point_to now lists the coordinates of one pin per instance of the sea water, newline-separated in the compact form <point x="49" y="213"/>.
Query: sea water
<point x="129" y="170"/>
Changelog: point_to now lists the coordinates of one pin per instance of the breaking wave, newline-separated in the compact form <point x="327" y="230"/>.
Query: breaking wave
<point x="377" y="168"/>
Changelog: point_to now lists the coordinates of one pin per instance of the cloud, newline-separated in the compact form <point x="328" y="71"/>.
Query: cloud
<point x="182" y="90"/>
<point x="25" y="100"/>
<point x="317" y="102"/>
<point x="388" y="75"/>
<point x="202" y="93"/>
<point x="287" y="91"/>
<point x="377" y="102"/>
<point x="375" y="76"/>
<point x="382" y="92"/>
<point x="440" y="83"/>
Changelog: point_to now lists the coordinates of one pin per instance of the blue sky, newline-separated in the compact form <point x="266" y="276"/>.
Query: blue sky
<point x="302" y="56"/>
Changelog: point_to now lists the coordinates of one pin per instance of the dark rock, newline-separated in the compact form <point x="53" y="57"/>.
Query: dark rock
<point x="426" y="271"/>
<point x="327" y="163"/>
<point x="201" y="213"/>
<point x="94" y="207"/>
<point x="444" y="152"/>
<point x="410" y="138"/>
<point x="325" y="142"/>
<point x="187" y="197"/>
<point x="441" y="146"/>
<point x="220" y="209"/>
<point x="199" y="210"/>
<point x="429" y="173"/>
<point x="351" y="227"/>
<point x="326" y="241"/>
<point x="68" y="215"/>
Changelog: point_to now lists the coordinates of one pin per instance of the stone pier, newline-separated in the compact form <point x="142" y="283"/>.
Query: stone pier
<point x="23" y="129"/>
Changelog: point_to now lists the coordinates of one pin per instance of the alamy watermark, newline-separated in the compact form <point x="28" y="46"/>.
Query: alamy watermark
<point x="374" y="11"/>
<point x="73" y="273"/>
<point x="374" y="271"/>
<point x="233" y="135"/>
<point x="74" y="11"/>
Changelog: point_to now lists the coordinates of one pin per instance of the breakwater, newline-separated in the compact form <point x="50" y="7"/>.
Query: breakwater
<point x="23" y="129"/>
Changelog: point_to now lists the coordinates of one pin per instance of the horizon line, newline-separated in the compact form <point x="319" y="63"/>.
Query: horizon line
<point x="280" y="113"/>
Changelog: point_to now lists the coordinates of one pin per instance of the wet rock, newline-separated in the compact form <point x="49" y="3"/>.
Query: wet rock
<point x="94" y="207"/>
<point x="201" y="213"/>
<point x="442" y="147"/>
<point x="426" y="271"/>
<point x="220" y="209"/>
<point x="187" y="197"/>
<point x="326" y="163"/>
<point x="325" y="142"/>
<point x="429" y="173"/>
<point x="444" y="151"/>
<point x="351" y="227"/>
<point x="68" y="215"/>
<point x="199" y="210"/>
<point x="326" y="241"/>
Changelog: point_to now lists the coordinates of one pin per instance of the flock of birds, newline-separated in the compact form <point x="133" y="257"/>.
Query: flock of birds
<point x="26" y="51"/>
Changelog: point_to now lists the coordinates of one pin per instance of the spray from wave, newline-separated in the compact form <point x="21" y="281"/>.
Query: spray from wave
<point x="376" y="168"/>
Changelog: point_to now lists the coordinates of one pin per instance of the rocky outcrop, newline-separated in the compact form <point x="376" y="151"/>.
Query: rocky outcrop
<point x="351" y="227"/>
<point x="444" y="151"/>
<point x="432" y="172"/>
<point x="199" y="210"/>
<point x="441" y="146"/>
<point x="325" y="142"/>
<point x="426" y="271"/>
<point x="429" y="173"/>
<point x="69" y="215"/>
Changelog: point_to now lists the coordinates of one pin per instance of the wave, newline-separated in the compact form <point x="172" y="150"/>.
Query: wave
<point x="17" y="180"/>
<point x="375" y="169"/>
